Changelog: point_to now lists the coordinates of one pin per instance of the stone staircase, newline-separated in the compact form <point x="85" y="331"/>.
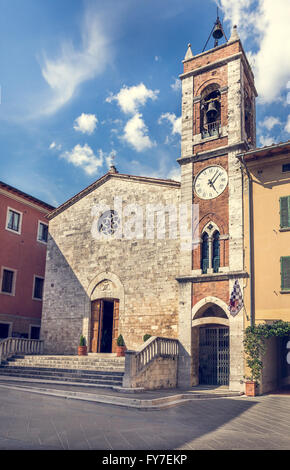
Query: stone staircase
<point x="102" y="370"/>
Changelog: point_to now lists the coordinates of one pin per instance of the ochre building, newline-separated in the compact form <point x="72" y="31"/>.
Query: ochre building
<point x="267" y="251"/>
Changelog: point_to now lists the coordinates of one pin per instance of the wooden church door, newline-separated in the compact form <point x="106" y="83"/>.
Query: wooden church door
<point x="99" y="322"/>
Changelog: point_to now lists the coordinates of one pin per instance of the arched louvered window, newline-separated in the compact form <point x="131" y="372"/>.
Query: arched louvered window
<point x="204" y="253"/>
<point x="216" y="251"/>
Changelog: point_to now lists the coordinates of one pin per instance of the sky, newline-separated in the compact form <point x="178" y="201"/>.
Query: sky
<point x="88" y="83"/>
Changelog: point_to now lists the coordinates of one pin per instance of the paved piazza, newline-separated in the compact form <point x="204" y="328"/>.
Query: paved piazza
<point x="30" y="421"/>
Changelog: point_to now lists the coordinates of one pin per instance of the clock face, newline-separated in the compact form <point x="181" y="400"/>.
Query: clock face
<point x="211" y="182"/>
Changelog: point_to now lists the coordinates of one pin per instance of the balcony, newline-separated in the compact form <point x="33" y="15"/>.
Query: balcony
<point x="212" y="129"/>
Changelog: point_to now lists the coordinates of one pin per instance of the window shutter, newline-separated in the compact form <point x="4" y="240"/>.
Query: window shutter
<point x="285" y="273"/>
<point x="204" y="254"/>
<point x="216" y="252"/>
<point x="285" y="212"/>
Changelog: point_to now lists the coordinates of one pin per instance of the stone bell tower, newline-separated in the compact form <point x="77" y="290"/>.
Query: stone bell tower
<point x="218" y="122"/>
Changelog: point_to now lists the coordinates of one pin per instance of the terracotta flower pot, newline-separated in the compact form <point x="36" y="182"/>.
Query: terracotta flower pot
<point x="120" y="350"/>
<point x="82" y="351"/>
<point x="251" y="388"/>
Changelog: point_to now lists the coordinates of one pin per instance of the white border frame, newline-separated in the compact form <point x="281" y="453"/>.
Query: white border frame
<point x="13" y="293"/>
<point x="38" y="225"/>
<point x="20" y="220"/>
<point x="33" y="287"/>
<point x="32" y="325"/>
<point x="10" y="327"/>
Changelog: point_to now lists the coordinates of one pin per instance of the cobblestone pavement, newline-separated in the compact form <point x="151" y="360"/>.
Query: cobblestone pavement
<point x="29" y="421"/>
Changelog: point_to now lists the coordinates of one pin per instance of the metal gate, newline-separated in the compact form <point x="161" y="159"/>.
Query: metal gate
<point x="214" y="356"/>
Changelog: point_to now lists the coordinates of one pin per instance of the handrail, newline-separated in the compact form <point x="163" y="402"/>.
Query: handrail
<point x="11" y="346"/>
<point x="156" y="346"/>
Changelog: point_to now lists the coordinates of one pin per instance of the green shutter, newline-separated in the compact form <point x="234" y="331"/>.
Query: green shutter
<point x="285" y="273"/>
<point x="285" y="212"/>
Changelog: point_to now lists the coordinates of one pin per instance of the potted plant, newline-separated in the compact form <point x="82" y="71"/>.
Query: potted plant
<point x="251" y="387"/>
<point x="254" y="343"/>
<point x="146" y="337"/>
<point x="121" y="348"/>
<point x="82" y="349"/>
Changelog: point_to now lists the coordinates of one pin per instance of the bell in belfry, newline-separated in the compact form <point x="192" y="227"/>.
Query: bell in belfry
<point x="218" y="32"/>
<point x="212" y="111"/>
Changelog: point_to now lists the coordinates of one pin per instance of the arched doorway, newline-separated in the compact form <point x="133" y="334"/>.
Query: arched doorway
<point x="214" y="355"/>
<point x="104" y="325"/>
<point x="211" y="346"/>
<point x="106" y="294"/>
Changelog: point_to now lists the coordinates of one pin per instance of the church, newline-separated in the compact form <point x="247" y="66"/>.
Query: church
<point x="137" y="256"/>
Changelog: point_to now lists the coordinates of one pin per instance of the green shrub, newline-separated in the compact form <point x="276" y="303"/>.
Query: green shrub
<point x="82" y="341"/>
<point x="120" y="341"/>
<point x="146" y="337"/>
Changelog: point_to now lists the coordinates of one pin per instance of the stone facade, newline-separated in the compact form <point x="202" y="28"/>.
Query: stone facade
<point x="158" y="281"/>
<point x="224" y="68"/>
<point x="138" y="271"/>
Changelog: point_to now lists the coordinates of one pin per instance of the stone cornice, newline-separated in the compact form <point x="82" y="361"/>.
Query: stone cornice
<point x="205" y="68"/>
<point x="213" y="277"/>
<point x="23" y="200"/>
<point x="106" y="177"/>
<point x="213" y="65"/>
<point x="212" y="153"/>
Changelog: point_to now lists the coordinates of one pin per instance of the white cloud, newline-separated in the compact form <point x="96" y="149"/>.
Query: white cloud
<point x="86" y="123"/>
<point x="136" y="134"/>
<point x="176" y="85"/>
<point x="287" y="127"/>
<point x="174" y="121"/>
<point x="269" y="122"/>
<point x="174" y="174"/>
<point x="55" y="146"/>
<point x="266" y="141"/>
<point x="163" y="167"/>
<point x="73" y="66"/>
<point x="156" y="58"/>
<point x="84" y="158"/>
<point x="131" y="98"/>
<point x="110" y="159"/>
<point x="267" y="22"/>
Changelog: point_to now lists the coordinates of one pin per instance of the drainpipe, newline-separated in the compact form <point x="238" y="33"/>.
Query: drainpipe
<point x="251" y="246"/>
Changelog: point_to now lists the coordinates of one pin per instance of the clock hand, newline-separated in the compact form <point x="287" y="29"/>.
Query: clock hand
<point x="212" y="185"/>
<point x="214" y="176"/>
<point x="214" y="180"/>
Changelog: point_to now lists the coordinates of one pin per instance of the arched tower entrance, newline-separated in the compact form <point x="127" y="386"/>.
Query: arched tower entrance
<point x="210" y="345"/>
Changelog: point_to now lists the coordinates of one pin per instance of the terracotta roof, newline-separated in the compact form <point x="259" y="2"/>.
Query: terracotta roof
<point x="26" y="196"/>
<point x="105" y="178"/>
<point x="267" y="151"/>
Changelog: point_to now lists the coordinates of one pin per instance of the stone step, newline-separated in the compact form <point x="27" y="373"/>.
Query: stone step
<point x="58" y="371"/>
<point x="80" y="359"/>
<point x="66" y="365"/>
<point x="60" y="378"/>
<point x="102" y="370"/>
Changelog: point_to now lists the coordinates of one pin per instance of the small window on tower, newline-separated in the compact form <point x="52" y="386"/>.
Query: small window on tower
<point x="248" y="118"/>
<point x="210" y="111"/>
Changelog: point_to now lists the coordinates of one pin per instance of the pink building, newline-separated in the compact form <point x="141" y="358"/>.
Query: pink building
<point x="23" y="240"/>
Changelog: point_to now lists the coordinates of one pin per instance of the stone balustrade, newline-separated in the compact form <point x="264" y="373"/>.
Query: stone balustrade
<point x="11" y="346"/>
<point x="154" y="365"/>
